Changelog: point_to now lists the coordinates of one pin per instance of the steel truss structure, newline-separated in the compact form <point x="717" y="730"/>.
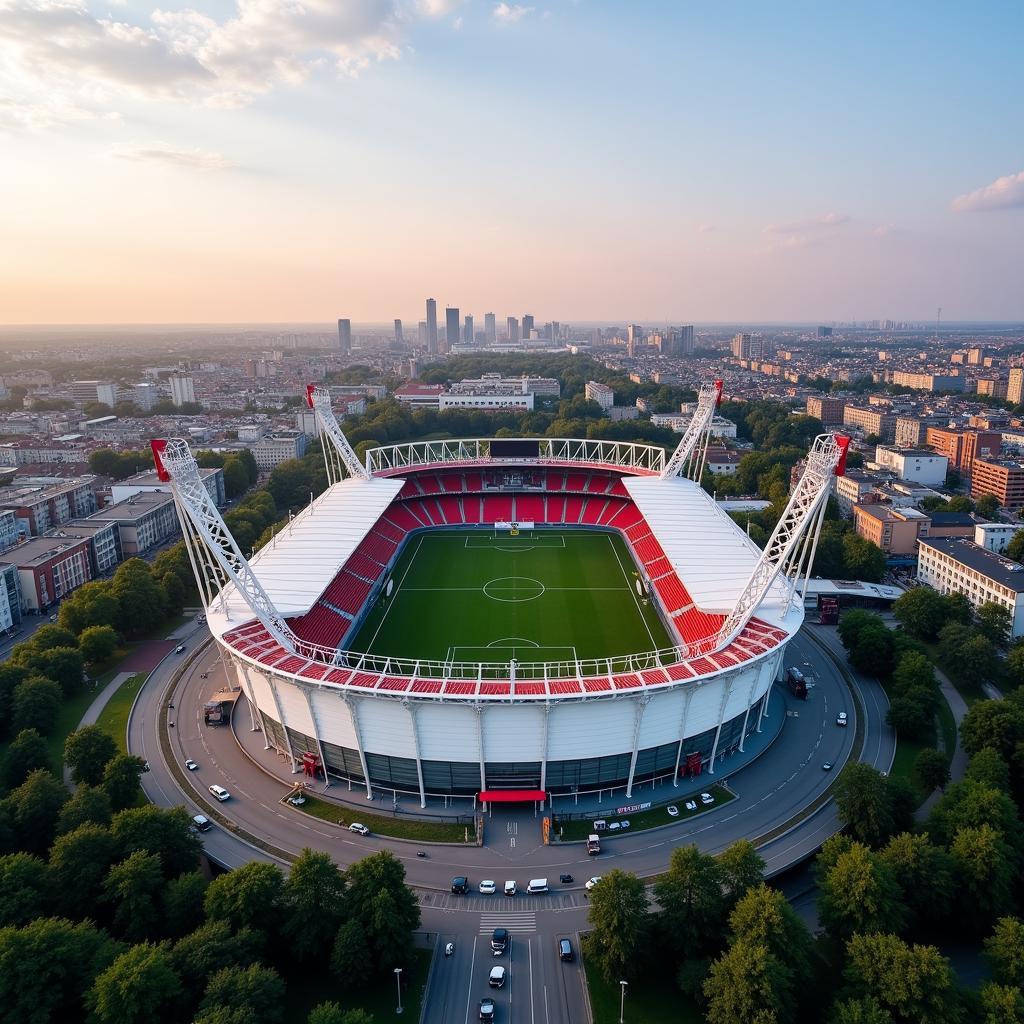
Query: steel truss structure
<point x="691" y="452"/>
<point x="341" y="460"/>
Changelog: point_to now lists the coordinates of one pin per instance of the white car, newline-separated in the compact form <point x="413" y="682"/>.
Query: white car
<point x="296" y="799"/>
<point x="673" y="811"/>
<point x="487" y="887"/>
<point x="510" y="888"/>
<point x="613" y="826"/>
<point x="361" y="829"/>
<point x="591" y="882"/>
<point x="496" y="979"/>
<point x="691" y="805"/>
<point x="841" y="719"/>
<point x="706" y="798"/>
<point x="191" y="765"/>
<point x="220" y="793"/>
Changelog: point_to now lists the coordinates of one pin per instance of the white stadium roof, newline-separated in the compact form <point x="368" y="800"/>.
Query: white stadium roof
<point x="309" y="552"/>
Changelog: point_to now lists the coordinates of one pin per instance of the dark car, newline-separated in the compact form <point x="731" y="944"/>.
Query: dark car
<point x="487" y="1010"/>
<point x="499" y="940"/>
<point x="566" y="879"/>
<point x="565" y="951"/>
<point x="460" y="885"/>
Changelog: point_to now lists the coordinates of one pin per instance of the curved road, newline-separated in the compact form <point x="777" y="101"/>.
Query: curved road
<point x="780" y="784"/>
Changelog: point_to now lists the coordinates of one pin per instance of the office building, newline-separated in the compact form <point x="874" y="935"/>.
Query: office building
<point x="147" y="480"/>
<point x="824" y="332"/>
<point x="953" y="566"/>
<point x="104" y="543"/>
<point x="145" y="396"/>
<point x="683" y="341"/>
<point x="919" y="466"/>
<point x="467" y="330"/>
<point x="527" y="326"/>
<point x="828" y="410"/>
<point x="600" y="393"/>
<point x="183" y="391"/>
<point x="345" y="337"/>
<point x="1015" y="386"/>
<point x="1002" y="477"/>
<point x="420" y="396"/>
<point x="746" y="346"/>
<point x="975" y="356"/>
<point x="452" y="325"/>
<point x="512" y="326"/>
<point x="431" y="325"/>
<point x="490" y="329"/>
<point x="486" y="403"/>
<point x="421" y="334"/>
<point x="963" y="447"/>
<point x="93" y="391"/>
<point x="399" y="339"/>
<point x="495" y="384"/>
<point x="851" y="489"/>
<point x="634" y="334"/>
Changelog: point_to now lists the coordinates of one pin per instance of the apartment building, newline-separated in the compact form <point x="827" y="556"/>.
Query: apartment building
<point x="914" y="464"/>
<point x="595" y="391"/>
<point x="963" y="447"/>
<point x="995" y="536"/>
<point x="871" y="421"/>
<point x="828" y="410"/>
<point x="1002" y="477"/>
<point x="271" y="451"/>
<point x="10" y="597"/>
<point x="143" y="521"/>
<point x="49" y="568"/>
<point x="962" y="567"/>
<point x="895" y="530"/>
<point x="46" y="505"/>
<point x="928" y="381"/>
<point x="213" y="481"/>
<point x="851" y="489"/>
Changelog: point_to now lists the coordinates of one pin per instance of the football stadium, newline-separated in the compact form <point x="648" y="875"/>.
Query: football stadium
<point x="531" y="616"/>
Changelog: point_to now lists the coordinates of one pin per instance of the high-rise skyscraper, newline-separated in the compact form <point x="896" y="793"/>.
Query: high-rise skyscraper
<point x="452" y="326"/>
<point x="490" y="329"/>
<point x="687" y="343"/>
<point x="527" y="325"/>
<point x="512" y="325"/>
<point x="634" y="334"/>
<point x="398" y="332"/>
<point x="183" y="390"/>
<point x="746" y="346"/>
<point x="431" y="325"/>
<point x="345" y="337"/>
<point x="421" y="333"/>
<point x="1015" y="386"/>
<point x="467" y="330"/>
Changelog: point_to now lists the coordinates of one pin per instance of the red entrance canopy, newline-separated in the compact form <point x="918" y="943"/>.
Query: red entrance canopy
<point x="511" y="796"/>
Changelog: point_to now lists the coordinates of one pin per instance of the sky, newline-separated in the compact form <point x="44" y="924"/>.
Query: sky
<point x="672" y="161"/>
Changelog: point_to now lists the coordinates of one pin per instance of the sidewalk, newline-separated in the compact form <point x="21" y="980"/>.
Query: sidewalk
<point x="93" y="711"/>
<point x="958" y="762"/>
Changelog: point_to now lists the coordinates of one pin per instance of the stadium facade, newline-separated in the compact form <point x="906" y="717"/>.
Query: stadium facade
<point x="285" y="619"/>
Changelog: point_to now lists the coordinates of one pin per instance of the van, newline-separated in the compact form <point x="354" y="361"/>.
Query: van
<point x="201" y="822"/>
<point x="220" y="793"/>
<point x="537" y="885"/>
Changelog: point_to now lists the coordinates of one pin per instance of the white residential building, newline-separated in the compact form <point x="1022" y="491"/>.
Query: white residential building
<point x="182" y="389"/>
<point x="600" y="393"/>
<point x="995" y="536"/>
<point x="920" y="466"/>
<point x="271" y="451"/>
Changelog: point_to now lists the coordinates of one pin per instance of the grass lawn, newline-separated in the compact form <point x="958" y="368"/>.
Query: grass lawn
<point x="541" y="596"/>
<point x="306" y="989"/>
<point x="641" y="820"/>
<point x="113" y="718"/>
<point x="384" y="825"/>
<point x="654" y="999"/>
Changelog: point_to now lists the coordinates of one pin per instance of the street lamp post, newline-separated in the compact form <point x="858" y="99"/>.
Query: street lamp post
<point x="623" y="985"/>
<point x="398" y="985"/>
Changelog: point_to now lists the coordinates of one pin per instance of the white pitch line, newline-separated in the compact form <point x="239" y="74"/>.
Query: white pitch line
<point x="636" y="601"/>
<point x="397" y="591"/>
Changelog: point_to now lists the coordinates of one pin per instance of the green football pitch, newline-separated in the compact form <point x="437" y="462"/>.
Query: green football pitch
<point x="486" y="596"/>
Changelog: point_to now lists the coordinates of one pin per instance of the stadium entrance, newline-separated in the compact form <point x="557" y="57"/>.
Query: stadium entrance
<point x="511" y="796"/>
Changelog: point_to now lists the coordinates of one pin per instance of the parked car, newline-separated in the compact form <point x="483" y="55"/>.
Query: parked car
<point x="673" y="811"/>
<point x="191" y="765"/>
<point x="566" y="879"/>
<point x="706" y="798"/>
<point x="691" y="805"/>
<point x="460" y="885"/>
<point x="220" y="793"/>
<point x="591" y="882"/>
<point x="360" y="829"/>
<point x="511" y="887"/>
<point x="487" y="887"/>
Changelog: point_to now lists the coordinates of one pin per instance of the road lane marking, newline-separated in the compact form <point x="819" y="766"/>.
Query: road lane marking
<point x="469" y="987"/>
<point x="529" y="949"/>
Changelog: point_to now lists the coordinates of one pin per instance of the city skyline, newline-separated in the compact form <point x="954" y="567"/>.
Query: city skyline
<point x="279" y="164"/>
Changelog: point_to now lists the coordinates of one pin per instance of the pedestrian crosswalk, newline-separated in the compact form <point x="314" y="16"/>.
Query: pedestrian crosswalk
<point x="518" y="923"/>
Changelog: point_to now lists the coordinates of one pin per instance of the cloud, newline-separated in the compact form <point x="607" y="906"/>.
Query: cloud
<point x="437" y="8"/>
<point x="59" y="46"/>
<point x="883" y="230"/>
<point x="827" y="220"/>
<point x="704" y="229"/>
<point x="1002" y="194"/>
<point x="191" y="159"/>
<point x="509" y="14"/>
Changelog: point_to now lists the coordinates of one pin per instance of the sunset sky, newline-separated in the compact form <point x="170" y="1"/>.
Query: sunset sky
<point x="299" y="160"/>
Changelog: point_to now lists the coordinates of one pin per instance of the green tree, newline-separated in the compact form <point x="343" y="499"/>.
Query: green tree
<point x="994" y="623"/>
<point x="133" y="888"/>
<point x="994" y="723"/>
<point x="922" y="612"/>
<point x="10" y="677"/>
<point x="314" y="905"/>
<point x="48" y="637"/>
<point x="984" y="869"/>
<point x="86" y="752"/>
<point x="175" y="594"/>
<point x="33" y="809"/>
<point x="79" y="862"/>
<point x="971" y="658"/>
<point x="924" y="873"/>
<point x="618" y="919"/>
<point x="867" y="1010"/>
<point x="27" y="753"/>
<point x="48" y="966"/>
<point x="255" y="989"/>
<point x="1002" y="1004"/>
<point x="332" y="1013"/>
<point x="864" y="803"/>
<point x="988" y="768"/>
<point x="97" y="643"/>
<point x="741" y="868"/>
<point x="911" y="718"/>
<point x="854" y="622"/>
<point x="139" y="987"/>
<point x="748" y="983"/>
<point x="987" y="505"/>
<point x="249" y="896"/>
<point x="860" y="894"/>
<point x="914" y="670"/>
<point x="121" y="780"/>
<point x="693" y="906"/>
<point x="931" y="769"/>
<point x="1015" y="549"/>
<point x="1015" y="663"/>
<point x="1004" y="950"/>
<point x="914" y="983"/>
<point x="155" y="830"/>
<point x="971" y="804"/>
<point x="763" y="916"/>
<point x="390" y="939"/>
<point x="89" y="805"/>
<point x="874" y="652"/>
<point x="961" y="503"/>
<point x="24" y="889"/>
<point x="350" y="955"/>
<point x="236" y="477"/>
<point x="139" y="597"/>
<point x="92" y="604"/>
<point x="183" y="903"/>
<point x="64" y="665"/>
<point x="36" y="704"/>
<point x="864" y="560"/>
<point x="211" y="947"/>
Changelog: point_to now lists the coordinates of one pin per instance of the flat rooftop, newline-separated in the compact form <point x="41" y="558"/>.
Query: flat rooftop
<point x="41" y="549"/>
<point x="135" y="507"/>
<point x="1003" y="571"/>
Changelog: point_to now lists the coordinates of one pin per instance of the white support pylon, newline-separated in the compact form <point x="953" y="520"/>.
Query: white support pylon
<point x="790" y="547"/>
<point x="202" y="523"/>
<point x="319" y="400"/>
<point x="693" y="445"/>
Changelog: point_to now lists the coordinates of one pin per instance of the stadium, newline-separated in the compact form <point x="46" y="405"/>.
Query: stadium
<point x="537" y="617"/>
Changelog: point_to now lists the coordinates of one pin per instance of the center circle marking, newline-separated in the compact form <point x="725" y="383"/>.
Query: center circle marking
<point x="514" y="589"/>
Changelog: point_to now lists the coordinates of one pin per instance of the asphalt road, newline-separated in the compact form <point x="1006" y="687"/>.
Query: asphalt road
<point x="778" y="785"/>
